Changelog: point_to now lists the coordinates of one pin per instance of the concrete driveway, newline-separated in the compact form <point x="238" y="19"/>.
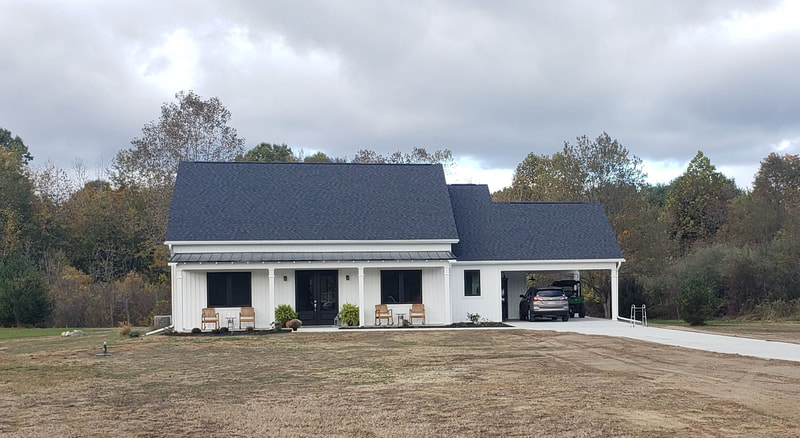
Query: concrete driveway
<point x="679" y="338"/>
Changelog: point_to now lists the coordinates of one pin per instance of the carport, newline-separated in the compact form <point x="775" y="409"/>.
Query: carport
<point x="500" y="243"/>
<point x="513" y="280"/>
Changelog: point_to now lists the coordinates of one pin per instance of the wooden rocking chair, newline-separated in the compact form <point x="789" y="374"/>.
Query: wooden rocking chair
<point x="209" y="315"/>
<point x="417" y="311"/>
<point x="382" y="311"/>
<point x="247" y="314"/>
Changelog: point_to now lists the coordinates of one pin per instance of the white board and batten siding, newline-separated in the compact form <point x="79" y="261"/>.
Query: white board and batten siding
<point x="487" y="305"/>
<point x="433" y="291"/>
<point x="190" y="289"/>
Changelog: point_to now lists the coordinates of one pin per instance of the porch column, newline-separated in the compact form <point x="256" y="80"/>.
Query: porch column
<point x="271" y="305"/>
<point x="615" y="292"/>
<point x="448" y="311"/>
<point x="362" y="320"/>
<point x="177" y="299"/>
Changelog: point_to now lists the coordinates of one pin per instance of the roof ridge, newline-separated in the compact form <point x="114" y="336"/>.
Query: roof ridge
<point x="545" y="202"/>
<point x="305" y="163"/>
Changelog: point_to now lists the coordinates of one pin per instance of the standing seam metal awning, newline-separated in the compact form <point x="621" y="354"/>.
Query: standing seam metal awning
<point x="259" y="257"/>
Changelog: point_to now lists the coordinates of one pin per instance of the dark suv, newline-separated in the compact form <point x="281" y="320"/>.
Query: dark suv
<point x="544" y="302"/>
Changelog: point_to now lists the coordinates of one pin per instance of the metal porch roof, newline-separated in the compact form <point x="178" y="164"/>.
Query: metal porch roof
<point x="263" y="257"/>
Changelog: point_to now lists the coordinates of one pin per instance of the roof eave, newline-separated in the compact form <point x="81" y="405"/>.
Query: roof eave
<point x="303" y="242"/>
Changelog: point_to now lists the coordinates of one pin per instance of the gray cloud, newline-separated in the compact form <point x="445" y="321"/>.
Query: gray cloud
<point x="493" y="81"/>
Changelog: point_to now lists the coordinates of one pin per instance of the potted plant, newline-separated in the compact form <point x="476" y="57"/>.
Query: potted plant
<point x="294" y="324"/>
<point x="283" y="313"/>
<point x="349" y="314"/>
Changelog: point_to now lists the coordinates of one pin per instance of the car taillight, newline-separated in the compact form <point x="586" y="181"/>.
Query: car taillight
<point x="537" y="299"/>
<point x="563" y="298"/>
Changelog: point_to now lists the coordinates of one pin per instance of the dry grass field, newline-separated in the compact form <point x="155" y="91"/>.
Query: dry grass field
<point x="389" y="383"/>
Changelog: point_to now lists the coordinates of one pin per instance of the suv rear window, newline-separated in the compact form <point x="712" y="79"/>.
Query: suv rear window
<point x="549" y="293"/>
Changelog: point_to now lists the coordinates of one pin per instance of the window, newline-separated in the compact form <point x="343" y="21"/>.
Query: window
<point x="472" y="283"/>
<point x="229" y="289"/>
<point x="401" y="287"/>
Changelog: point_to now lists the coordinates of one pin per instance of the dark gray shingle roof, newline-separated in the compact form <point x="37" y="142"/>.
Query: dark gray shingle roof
<point x="529" y="231"/>
<point x="309" y="201"/>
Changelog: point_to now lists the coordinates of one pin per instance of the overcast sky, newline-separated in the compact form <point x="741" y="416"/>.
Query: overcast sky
<point x="490" y="80"/>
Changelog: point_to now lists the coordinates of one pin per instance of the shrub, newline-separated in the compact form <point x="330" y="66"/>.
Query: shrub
<point x="284" y="313"/>
<point x="134" y="334"/>
<point x="223" y="329"/>
<point x="474" y="317"/>
<point x="349" y="315"/>
<point x="249" y="328"/>
<point x="23" y="296"/>
<point x="778" y="310"/>
<point x="124" y="330"/>
<point x="697" y="302"/>
<point x="196" y="330"/>
<point x="294" y="324"/>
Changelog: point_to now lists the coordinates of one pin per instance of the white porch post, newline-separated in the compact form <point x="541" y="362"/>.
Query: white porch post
<point x="615" y="292"/>
<point x="448" y="311"/>
<point x="362" y="320"/>
<point x="271" y="305"/>
<point x="177" y="299"/>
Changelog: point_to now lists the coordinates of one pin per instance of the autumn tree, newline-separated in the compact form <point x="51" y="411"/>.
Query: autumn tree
<point x="600" y="170"/>
<point x="193" y="129"/>
<point x="698" y="202"/>
<point x="319" y="157"/>
<point x="19" y="229"/>
<point x="416" y="156"/>
<point x="268" y="152"/>
<point x="104" y="238"/>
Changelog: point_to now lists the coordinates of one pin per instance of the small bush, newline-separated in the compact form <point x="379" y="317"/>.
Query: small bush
<point x="196" y="330"/>
<point x="294" y="324"/>
<point x="124" y="330"/>
<point x="474" y="317"/>
<point x="284" y="313"/>
<point x="349" y="315"/>
<point x="223" y="329"/>
<point x="249" y="328"/>
<point x="215" y="331"/>
<point x="697" y="302"/>
<point x="134" y="334"/>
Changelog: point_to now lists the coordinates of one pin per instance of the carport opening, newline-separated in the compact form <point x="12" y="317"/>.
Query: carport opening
<point x="588" y="292"/>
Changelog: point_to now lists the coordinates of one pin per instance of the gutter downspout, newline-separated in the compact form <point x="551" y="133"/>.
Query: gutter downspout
<point x="157" y="331"/>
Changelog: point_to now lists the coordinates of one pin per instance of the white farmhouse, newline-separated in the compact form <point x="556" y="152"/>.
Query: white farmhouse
<point x="318" y="235"/>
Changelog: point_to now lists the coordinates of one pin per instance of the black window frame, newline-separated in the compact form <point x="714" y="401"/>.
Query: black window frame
<point x="471" y="277"/>
<point x="232" y="297"/>
<point x="405" y="282"/>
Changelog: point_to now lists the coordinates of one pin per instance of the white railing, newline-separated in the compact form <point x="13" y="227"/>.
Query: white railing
<point x="641" y="311"/>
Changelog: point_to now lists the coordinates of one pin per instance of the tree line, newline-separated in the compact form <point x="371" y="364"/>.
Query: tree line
<point x="695" y="248"/>
<point x="78" y="252"/>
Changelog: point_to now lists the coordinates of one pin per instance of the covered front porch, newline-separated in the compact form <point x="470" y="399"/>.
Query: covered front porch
<point x="315" y="289"/>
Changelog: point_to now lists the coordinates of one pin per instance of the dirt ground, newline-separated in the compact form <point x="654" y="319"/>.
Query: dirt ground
<point x="768" y="331"/>
<point x="381" y="384"/>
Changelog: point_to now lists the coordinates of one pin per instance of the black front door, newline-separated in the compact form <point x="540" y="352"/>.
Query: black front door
<point x="317" y="296"/>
